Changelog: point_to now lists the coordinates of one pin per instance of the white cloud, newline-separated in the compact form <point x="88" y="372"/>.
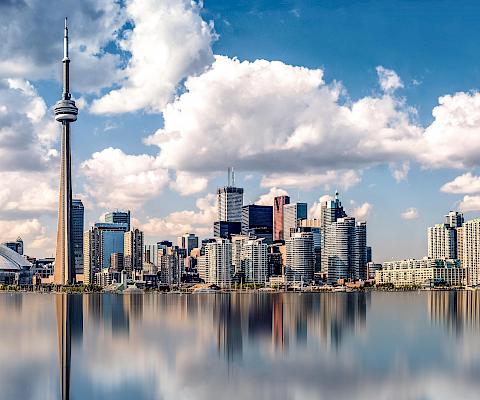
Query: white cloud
<point x="388" y="79"/>
<point x="168" y="43"/>
<point x="466" y="183"/>
<point x="199" y="221"/>
<point x="187" y="183"/>
<point x="400" y="173"/>
<point x="31" y="231"/>
<point x="32" y="44"/>
<point x="410" y="213"/>
<point x="362" y="211"/>
<point x="316" y="209"/>
<point x="470" y="203"/>
<point x="268" y="198"/>
<point x="116" y="179"/>
<point x="341" y="179"/>
<point x="282" y="121"/>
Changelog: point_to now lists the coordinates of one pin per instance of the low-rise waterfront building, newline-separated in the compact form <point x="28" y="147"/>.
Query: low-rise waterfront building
<point x="422" y="272"/>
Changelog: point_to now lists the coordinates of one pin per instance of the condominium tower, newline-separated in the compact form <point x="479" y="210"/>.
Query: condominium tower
<point x="292" y="214"/>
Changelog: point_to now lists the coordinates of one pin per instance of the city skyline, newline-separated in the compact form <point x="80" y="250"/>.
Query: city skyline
<point x="405" y="168"/>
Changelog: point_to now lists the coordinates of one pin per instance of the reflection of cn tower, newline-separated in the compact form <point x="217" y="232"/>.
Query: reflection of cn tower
<point x="278" y="335"/>
<point x="64" y="327"/>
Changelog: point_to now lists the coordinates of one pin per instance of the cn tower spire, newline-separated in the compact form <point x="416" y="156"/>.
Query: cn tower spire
<point x="65" y="113"/>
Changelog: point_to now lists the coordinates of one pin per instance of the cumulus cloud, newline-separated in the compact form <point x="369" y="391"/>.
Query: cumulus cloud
<point x="31" y="231"/>
<point x="116" y="179"/>
<point x="400" y="173"/>
<point x="362" y="211"/>
<point x="469" y="203"/>
<point x="410" y="213"/>
<point x="283" y="121"/>
<point x="388" y="79"/>
<point x="315" y="210"/>
<point x="168" y="43"/>
<point x="32" y="40"/>
<point x="268" y="198"/>
<point x="187" y="183"/>
<point x="466" y="183"/>
<point x="199" y="221"/>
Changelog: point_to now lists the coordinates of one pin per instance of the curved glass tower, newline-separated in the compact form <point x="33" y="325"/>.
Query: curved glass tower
<point x="65" y="113"/>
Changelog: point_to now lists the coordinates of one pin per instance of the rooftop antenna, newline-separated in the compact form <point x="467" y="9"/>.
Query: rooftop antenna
<point x="233" y="177"/>
<point x="336" y="194"/>
<point x="228" y="179"/>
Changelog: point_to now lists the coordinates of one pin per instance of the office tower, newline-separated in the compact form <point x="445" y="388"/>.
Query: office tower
<point x="454" y="219"/>
<point x="292" y="214"/>
<point x="99" y="242"/>
<point x="16" y="246"/>
<point x="188" y="241"/>
<point x="77" y="234"/>
<point x="218" y="256"/>
<point x="237" y="243"/>
<point x="230" y="201"/>
<point x="150" y="254"/>
<point x="331" y="210"/>
<point x="345" y="250"/>
<point x="258" y="221"/>
<point x="116" y="262"/>
<point x="118" y="217"/>
<point x="225" y="229"/>
<point x="254" y="261"/>
<point x="65" y="112"/>
<point x="171" y="262"/>
<point x="312" y="226"/>
<point x="471" y="250"/>
<point x="133" y="252"/>
<point x="278" y="204"/>
<point x="300" y="257"/>
<point x="442" y="241"/>
<point x="276" y="258"/>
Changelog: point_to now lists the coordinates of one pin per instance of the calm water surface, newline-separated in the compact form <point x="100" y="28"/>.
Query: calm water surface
<point x="422" y="346"/>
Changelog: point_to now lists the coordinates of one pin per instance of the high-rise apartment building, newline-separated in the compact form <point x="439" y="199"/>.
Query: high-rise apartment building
<point x="442" y="242"/>
<point x="218" y="257"/>
<point x="237" y="243"/>
<point x="133" y="252"/>
<point x="78" y="213"/>
<point x="254" y="261"/>
<point x="99" y="242"/>
<point x="292" y="214"/>
<point x="331" y="210"/>
<point x="188" y="241"/>
<point x="300" y="257"/>
<point x="171" y="262"/>
<point x="278" y="204"/>
<point x="345" y="251"/>
<point x="471" y="250"/>
<point x="118" y="217"/>
<point x="116" y="262"/>
<point x="454" y="219"/>
<point x="257" y="221"/>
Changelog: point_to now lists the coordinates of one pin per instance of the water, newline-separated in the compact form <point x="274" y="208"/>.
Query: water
<point x="419" y="345"/>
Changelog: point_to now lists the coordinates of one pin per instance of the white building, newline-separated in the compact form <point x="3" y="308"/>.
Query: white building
<point x="218" y="257"/>
<point x="292" y="214"/>
<point x="442" y="241"/>
<point x="471" y="250"/>
<point x="237" y="243"/>
<point x="300" y="257"/>
<point x="422" y="272"/>
<point x="254" y="261"/>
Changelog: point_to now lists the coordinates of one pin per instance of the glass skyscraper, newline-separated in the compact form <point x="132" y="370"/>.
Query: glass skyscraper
<point x="78" y="213"/>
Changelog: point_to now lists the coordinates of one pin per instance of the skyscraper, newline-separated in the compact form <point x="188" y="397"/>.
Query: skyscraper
<point x="442" y="242"/>
<point x="65" y="112"/>
<point x="471" y="250"/>
<point x="77" y="234"/>
<point x="292" y="214"/>
<point x="331" y="210"/>
<point x="118" y="217"/>
<point x="300" y="257"/>
<point x="254" y="261"/>
<point x="133" y="251"/>
<point x="230" y="201"/>
<point x="278" y="204"/>
<point x="188" y="241"/>
<point x="218" y="259"/>
<point x="257" y="220"/>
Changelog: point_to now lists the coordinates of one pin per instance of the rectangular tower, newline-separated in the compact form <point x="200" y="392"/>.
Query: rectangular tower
<point x="278" y="204"/>
<point x="78" y="213"/>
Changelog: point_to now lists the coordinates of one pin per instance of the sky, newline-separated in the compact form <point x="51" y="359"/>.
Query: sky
<point x="375" y="99"/>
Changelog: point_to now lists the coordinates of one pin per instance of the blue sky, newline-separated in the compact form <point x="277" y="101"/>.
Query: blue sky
<point x="185" y="98"/>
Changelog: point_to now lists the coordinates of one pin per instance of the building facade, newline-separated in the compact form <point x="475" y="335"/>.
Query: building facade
<point x="229" y="204"/>
<point x="471" y="250"/>
<point x="118" y="217"/>
<point x="218" y="256"/>
<point x="78" y="216"/>
<point x="278" y="204"/>
<point x="254" y="261"/>
<point x="188" y="241"/>
<point x="133" y="252"/>
<point x="442" y="241"/>
<point x="292" y="214"/>
<point x="300" y="257"/>
<point x="424" y="272"/>
<point x="257" y="221"/>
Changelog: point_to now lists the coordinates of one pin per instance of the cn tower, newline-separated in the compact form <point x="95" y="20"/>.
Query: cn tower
<point x="65" y="113"/>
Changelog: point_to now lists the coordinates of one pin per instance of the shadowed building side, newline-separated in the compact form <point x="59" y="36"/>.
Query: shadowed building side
<point x="64" y="313"/>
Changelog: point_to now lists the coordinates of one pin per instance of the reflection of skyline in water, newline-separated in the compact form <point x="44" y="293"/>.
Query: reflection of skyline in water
<point x="458" y="311"/>
<point x="273" y="346"/>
